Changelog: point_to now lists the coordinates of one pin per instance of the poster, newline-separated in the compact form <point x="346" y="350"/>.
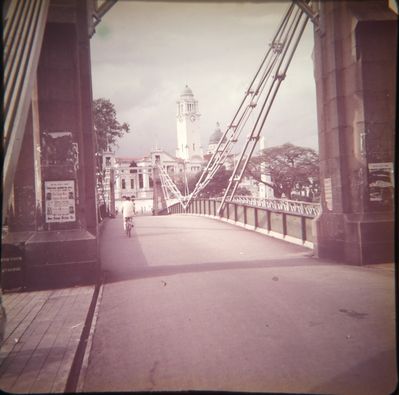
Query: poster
<point x="60" y="201"/>
<point x="381" y="182"/>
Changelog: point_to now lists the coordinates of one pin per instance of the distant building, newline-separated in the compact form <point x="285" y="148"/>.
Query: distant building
<point x="214" y="140"/>
<point x="188" y="129"/>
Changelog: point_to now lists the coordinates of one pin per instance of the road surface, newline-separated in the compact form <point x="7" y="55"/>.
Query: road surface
<point x="195" y="303"/>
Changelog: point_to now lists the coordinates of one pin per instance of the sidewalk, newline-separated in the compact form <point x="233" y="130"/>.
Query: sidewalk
<point x="42" y="336"/>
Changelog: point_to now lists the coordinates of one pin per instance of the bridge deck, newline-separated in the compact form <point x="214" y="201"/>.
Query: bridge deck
<point x="195" y="303"/>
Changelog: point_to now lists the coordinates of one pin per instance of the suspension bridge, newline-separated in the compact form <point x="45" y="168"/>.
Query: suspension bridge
<point x="234" y="293"/>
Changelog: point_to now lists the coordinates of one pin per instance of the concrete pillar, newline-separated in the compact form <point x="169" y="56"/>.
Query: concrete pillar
<point x="355" y="72"/>
<point x="64" y="251"/>
<point x="159" y="202"/>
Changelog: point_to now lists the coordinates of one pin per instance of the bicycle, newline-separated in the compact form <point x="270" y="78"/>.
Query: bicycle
<point x="129" y="226"/>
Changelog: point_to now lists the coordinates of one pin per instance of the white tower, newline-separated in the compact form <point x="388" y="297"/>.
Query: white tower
<point x="188" y="133"/>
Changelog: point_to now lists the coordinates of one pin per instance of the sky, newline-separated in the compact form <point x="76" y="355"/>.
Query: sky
<point x="144" y="53"/>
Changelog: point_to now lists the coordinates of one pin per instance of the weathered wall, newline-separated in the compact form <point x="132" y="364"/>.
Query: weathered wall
<point x="60" y="249"/>
<point x="355" y="71"/>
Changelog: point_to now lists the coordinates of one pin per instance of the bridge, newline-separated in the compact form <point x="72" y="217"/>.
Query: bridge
<point x="233" y="294"/>
<point x="191" y="302"/>
<point x="356" y="132"/>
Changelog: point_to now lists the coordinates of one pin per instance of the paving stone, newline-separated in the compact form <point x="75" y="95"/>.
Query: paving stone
<point x="48" y="326"/>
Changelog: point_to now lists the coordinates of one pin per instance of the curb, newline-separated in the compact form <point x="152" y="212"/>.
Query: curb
<point x="89" y="343"/>
<point x="75" y="372"/>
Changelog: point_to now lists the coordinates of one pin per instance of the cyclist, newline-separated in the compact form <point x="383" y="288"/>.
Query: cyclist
<point x="127" y="210"/>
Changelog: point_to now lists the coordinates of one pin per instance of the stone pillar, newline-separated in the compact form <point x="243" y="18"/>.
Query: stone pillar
<point x="355" y="72"/>
<point x="61" y="248"/>
<point x="159" y="202"/>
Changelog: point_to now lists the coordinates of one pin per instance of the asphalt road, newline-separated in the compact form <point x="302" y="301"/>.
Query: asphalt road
<point x="195" y="303"/>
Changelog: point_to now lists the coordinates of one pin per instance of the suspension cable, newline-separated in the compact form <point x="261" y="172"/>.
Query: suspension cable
<point x="266" y="82"/>
<point x="218" y="158"/>
<point x="280" y="74"/>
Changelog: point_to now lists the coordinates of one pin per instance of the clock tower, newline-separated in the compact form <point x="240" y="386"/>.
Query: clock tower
<point x="188" y="133"/>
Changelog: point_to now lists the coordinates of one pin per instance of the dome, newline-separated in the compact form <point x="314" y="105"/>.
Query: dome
<point x="216" y="135"/>
<point x="187" y="91"/>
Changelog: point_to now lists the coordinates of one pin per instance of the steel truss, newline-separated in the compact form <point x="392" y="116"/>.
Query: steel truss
<point x="169" y="186"/>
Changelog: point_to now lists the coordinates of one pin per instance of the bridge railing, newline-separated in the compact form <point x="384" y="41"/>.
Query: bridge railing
<point x="281" y="205"/>
<point x="283" y="219"/>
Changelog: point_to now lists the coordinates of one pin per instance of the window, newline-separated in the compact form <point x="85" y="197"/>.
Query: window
<point x="107" y="161"/>
<point x="131" y="183"/>
<point x="193" y="146"/>
<point x="151" y="182"/>
<point x="123" y="183"/>
<point x="141" y="184"/>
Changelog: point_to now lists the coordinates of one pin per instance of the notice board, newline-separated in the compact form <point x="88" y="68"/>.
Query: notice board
<point x="60" y="201"/>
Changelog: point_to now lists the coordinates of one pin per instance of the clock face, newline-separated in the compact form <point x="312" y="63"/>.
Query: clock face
<point x="192" y="118"/>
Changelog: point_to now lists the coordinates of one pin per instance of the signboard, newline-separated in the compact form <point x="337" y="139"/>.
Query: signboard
<point x="60" y="201"/>
<point x="328" y="193"/>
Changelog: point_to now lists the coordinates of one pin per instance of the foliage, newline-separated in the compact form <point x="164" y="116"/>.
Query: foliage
<point x="106" y="126"/>
<point x="291" y="168"/>
<point x="218" y="184"/>
<point x="215" y="188"/>
<point x="243" y="191"/>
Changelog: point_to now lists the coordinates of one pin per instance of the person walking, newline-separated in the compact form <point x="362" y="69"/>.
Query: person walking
<point x="127" y="210"/>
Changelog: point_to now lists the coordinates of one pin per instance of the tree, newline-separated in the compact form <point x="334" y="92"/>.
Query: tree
<point x="107" y="129"/>
<point x="215" y="187"/>
<point x="291" y="168"/>
<point x="106" y="126"/>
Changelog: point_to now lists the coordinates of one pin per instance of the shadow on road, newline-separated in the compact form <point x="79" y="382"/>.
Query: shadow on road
<point x="124" y="259"/>
<point x="169" y="270"/>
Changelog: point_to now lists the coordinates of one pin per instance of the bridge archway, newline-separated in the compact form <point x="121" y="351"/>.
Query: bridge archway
<point x="355" y="63"/>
